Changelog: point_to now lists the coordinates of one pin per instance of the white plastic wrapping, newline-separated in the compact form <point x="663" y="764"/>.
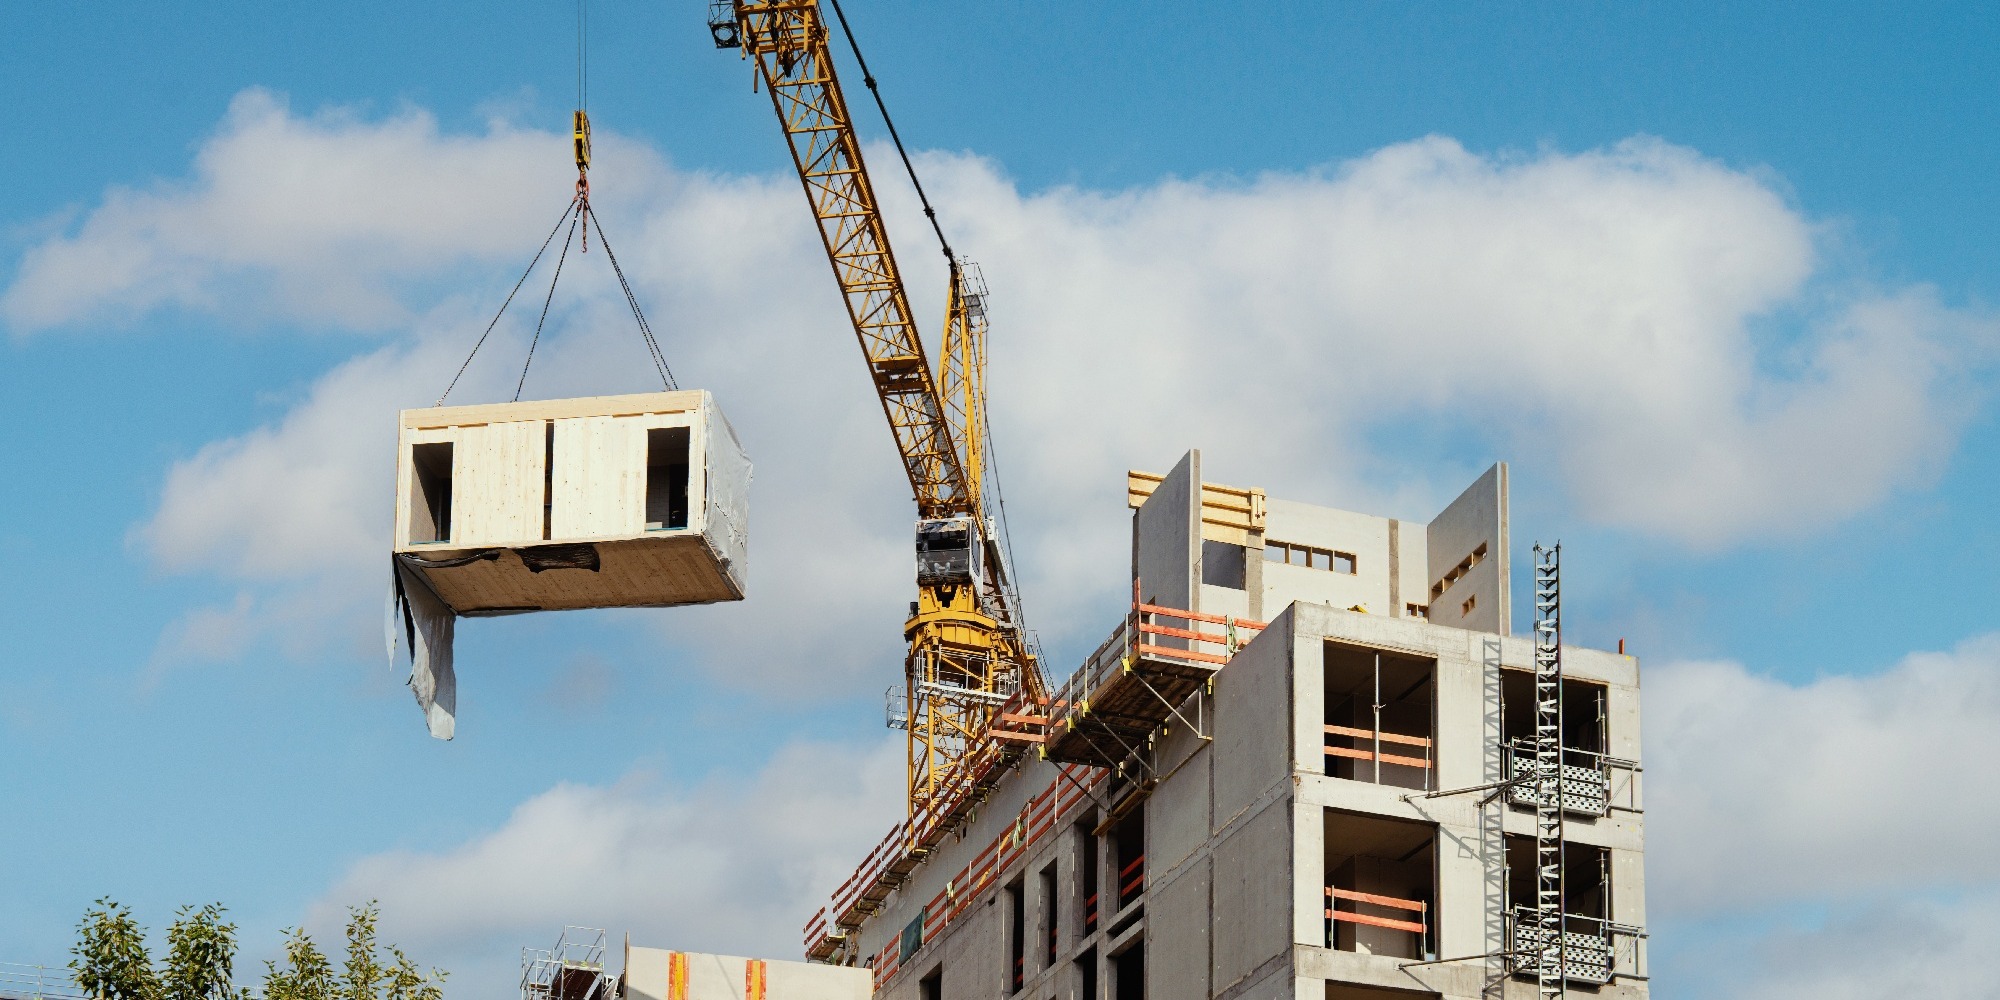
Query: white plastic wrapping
<point x="729" y="474"/>
<point x="423" y="625"/>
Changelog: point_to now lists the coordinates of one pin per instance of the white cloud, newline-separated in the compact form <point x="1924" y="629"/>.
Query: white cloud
<point x="319" y="219"/>
<point x="722" y="867"/>
<point x="1928" y="946"/>
<point x="1655" y="323"/>
<point x="1762" y="793"/>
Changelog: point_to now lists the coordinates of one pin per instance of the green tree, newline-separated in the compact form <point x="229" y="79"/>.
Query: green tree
<point x="111" y="962"/>
<point x="201" y="955"/>
<point x="406" y="983"/>
<point x="364" y="975"/>
<point x="306" y="975"/>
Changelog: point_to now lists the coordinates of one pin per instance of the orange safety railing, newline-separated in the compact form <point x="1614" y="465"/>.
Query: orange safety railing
<point x="1131" y="881"/>
<point x="1037" y="819"/>
<point x="1137" y="635"/>
<point x="1334" y="896"/>
<point x="1369" y="753"/>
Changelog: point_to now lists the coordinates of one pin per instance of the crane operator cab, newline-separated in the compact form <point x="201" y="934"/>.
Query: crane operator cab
<point x="952" y="553"/>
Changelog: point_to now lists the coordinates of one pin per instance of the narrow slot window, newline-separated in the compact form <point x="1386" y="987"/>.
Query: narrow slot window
<point x="1087" y="880"/>
<point x="1051" y="918"/>
<point x="548" y="479"/>
<point x="1017" y="937"/>
<point x="666" y="478"/>
<point x="430" y="502"/>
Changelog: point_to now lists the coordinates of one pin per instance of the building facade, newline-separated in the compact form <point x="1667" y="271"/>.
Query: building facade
<point x="1327" y="805"/>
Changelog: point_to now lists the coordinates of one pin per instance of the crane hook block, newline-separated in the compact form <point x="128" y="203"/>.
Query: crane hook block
<point x="580" y="131"/>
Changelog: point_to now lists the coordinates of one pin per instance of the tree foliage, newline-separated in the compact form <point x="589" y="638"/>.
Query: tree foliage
<point x="201" y="956"/>
<point x="112" y="961"/>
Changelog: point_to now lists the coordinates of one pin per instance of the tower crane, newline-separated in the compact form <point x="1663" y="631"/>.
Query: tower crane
<point x="973" y="689"/>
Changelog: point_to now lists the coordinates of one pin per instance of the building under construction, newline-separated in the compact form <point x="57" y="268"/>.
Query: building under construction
<point x="1346" y="801"/>
<point x="1308" y="761"/>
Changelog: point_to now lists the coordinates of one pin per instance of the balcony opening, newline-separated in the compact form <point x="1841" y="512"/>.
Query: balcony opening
<point x="430" y="498"/>
<point x="1381" y="885"/>
<point x="1087" y="879"/>
<point x="1128" y="973"/>
<point x="1586" y="906"/>
<point x="1380" y="718"/>
<point x="666" y="478"/>
<point x="1586" y="770"/>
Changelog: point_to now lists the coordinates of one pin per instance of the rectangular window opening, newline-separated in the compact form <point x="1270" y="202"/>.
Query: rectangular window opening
<point x="1017" y="937"/>
<point x="1343" y="562"/>
<point x="1222" y="564"/>
<point x="430" y="504"/>
<point x="1128" y="849"/>
<point x="1087" y="879"/>
<point x="931" y="987"/>
<point x="666" y="478"/>
<point x="1128" y="970"/>
<point x="1086" y="963"/>
<point x="548" y="479"/>
<point x="1051" y="918"/>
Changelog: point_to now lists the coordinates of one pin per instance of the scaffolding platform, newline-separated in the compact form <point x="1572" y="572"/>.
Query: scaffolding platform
<point x="1146" y="674"/>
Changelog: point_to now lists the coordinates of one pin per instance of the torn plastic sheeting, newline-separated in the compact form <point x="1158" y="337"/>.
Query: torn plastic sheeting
<point x="729" y="475"/>
<point x="426" y="627"/>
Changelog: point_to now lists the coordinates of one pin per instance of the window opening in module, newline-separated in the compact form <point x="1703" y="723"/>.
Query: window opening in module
<point x="548" y="479"/>
<point x="430" y="507"/>
<point x="666" y="478"/>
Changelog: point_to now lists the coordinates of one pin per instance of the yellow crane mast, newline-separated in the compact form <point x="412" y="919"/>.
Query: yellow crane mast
<point x="969" y="664"/>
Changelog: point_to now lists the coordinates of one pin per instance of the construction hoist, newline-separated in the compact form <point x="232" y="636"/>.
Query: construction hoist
<point x="969" y="655"/>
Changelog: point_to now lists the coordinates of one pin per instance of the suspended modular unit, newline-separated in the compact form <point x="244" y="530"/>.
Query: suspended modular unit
<point x="607" y="502"/>
<point x="604" y="502"/>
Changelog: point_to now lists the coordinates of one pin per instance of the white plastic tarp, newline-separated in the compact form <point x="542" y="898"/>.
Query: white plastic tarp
<point x="422" y="626"/>
<point x="728" y="507"/>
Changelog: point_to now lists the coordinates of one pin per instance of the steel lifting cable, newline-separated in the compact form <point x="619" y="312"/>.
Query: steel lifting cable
<point x="645" y="328"/>
<point x="564" y="255"/>
<point x="510" y="300"/>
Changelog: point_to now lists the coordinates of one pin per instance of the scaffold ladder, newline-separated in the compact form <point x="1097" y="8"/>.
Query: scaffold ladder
<point x="1548" y="950"/>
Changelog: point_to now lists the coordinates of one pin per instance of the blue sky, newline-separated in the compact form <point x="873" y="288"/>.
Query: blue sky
<point x="1843" y="156"/>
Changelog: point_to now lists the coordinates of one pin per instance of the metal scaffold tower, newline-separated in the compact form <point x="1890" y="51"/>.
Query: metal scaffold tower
<point x="1548" y="950"/>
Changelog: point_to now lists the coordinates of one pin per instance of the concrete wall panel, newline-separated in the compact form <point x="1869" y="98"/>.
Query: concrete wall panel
<point x="1252" y="703"/>
<point x="1253" y="870"/>
<point x="1166" y="538"/>
<point x="1177" y="946"/>
<point x="1478" y="517"/>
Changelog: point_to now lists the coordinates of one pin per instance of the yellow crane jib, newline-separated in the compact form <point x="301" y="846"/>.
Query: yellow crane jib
<point x="967" y="652"/>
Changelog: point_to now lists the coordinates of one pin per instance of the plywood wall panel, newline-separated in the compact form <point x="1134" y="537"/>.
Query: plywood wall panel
<point x="497" y="472"/>
<point x="599" y="486"/>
